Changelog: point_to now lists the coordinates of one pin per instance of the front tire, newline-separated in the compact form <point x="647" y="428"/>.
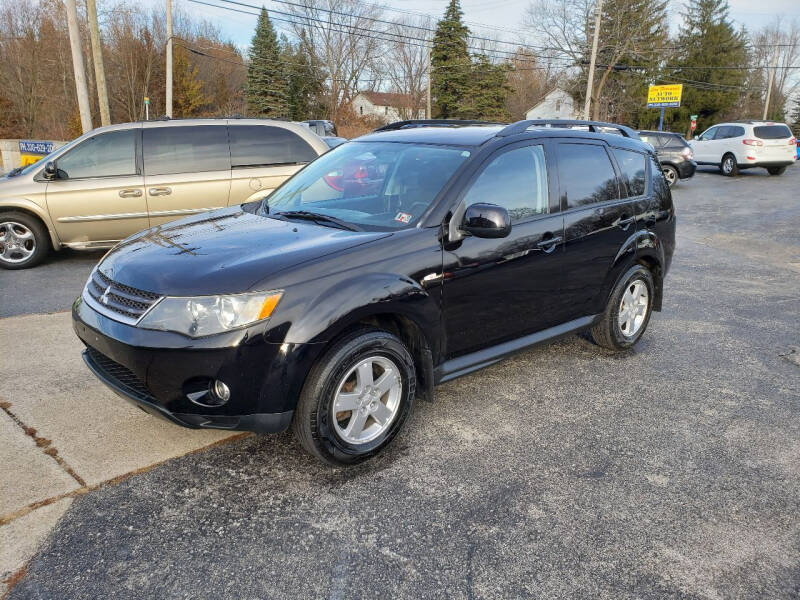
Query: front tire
<point x="628" y="311"/>
<point x="776" y="170"/>
<point x="729" y="166"/>
<point x="356" y="398"/>
<point x="24" y="241"/>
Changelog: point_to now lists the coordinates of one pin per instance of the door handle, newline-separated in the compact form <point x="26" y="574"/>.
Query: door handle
<point x="549" y="244"/>
<point x="625" y="222"/>
<point x="130" y="193"/>
<point x="161" y="191"/>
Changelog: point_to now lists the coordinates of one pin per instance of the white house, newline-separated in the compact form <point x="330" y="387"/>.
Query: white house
<point x="386" y="106"/>
<point x="557" y="104"/>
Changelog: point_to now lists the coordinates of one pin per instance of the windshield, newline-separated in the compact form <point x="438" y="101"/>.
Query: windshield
<point x="376" y="185"/>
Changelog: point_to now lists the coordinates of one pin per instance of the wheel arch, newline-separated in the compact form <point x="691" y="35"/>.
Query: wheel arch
<point x="37" y="212"/>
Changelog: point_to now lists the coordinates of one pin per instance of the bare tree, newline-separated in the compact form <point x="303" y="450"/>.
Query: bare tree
<point x="405" y="64"/>
<point x="530" y="80"/>
<point x="343" y="39"/>
<point x="782" y="37"/>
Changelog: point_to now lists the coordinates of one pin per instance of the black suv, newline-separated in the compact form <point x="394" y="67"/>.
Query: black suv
<point x="674" y="153"/>
<point x="392" y="263"/>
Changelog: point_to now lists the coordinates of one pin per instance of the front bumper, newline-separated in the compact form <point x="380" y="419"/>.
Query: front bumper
<point x="160" y="371"/>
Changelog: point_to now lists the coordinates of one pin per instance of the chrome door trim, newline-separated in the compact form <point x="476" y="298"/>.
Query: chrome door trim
<point x="181" y="211"/>
<point x="86" y="218"/>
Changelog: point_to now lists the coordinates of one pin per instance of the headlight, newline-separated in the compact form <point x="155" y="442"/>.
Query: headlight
<point x="207" y="315"/>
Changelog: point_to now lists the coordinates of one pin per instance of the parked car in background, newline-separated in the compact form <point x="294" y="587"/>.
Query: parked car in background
<point x="746" y="144"/>
<point x="117" y="180"/>
<point x="674" y="154"/>
<point x="321" y="127"/>
<point x="333" y="304"/>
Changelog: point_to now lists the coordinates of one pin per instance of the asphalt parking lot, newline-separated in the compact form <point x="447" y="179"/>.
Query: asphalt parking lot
<point x="672" y="471"/>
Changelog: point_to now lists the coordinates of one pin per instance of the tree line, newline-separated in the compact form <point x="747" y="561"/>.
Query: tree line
<point x="309" y="59"/>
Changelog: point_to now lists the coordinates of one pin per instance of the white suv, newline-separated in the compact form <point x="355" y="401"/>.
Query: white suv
<point x="746" y="144"/>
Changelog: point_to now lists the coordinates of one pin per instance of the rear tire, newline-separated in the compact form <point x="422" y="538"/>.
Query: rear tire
<point x="24" y="241"/>
<point x="628" y="310"/>
<point x="728" y="166"/>
<point x="776" y="170"/>
<point x="356" y="398"/>
<point x="670" y="174"/>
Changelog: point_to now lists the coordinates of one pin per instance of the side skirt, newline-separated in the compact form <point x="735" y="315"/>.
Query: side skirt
<point x="456" y="367"/>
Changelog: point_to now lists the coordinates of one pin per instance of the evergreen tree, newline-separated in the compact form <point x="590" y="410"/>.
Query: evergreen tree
<point x="188" y="89"/>
<point x="266" y="88"/>
<point x="796" y="119"/>
<point x="450" y="63"/>
<point x="708" y="40"/>
<point x="487" y="92"/>
<point x="305" y="81"/>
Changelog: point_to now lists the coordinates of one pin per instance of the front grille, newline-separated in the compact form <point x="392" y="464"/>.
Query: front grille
<point x="116" y="300"/>
<point x="120" y="376"/>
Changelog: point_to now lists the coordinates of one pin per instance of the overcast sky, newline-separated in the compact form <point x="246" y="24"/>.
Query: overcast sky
<point x="490" y="18"/>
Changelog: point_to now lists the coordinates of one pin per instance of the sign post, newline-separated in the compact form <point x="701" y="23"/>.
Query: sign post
<point x="146" y="108"/>
<point x="664" y="96"/>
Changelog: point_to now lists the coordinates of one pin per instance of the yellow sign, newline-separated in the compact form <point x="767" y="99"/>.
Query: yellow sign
<point x="29" y="159"/>
<point x="664" y="96"/>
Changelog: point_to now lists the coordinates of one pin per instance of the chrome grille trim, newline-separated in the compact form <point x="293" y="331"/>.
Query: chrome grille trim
<point x="116" y="300"/>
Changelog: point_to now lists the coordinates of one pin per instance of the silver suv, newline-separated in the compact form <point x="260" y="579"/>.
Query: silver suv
<point x="746" y="144"/>
<point x="117" y="180"/>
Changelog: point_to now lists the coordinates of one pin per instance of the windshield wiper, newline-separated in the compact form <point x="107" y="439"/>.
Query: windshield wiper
<point x="318" y="218"/>
<point x="14" y="172"/>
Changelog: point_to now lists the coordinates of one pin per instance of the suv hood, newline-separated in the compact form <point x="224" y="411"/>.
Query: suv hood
<point x="226" y="251"/>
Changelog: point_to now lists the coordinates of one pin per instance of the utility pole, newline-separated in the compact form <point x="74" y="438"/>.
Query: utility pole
<point x="77" y="66"/>
<point x="590" y="80"/>
<point x="169" y="58"/>
<point x="428" y="92"/>
<point x="97" y="58"/>
<point x="771" y="79"/>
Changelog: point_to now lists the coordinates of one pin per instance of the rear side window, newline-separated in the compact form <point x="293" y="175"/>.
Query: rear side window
<point x="105" y="155"/>
<point x="633" y="168"/>
<point x="260" y="145"/>
<point x="729" y="131"/>
<point x="674" y="141"/>
<point x="515" y="180"/>
<point x="772" y="132"/>
<point x="655" y="140"/>
<point x="586" y="175"/>
<point x="170" y="150"/>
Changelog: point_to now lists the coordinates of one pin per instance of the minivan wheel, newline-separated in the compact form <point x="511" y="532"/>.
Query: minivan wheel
<point x="729" y="167"/>
<point x="356" y="398"/>
<point x="23" y="241"/>
<point x="628" y="311"/>
<point x="670" y="174"/>
<point x="776" y="170"/>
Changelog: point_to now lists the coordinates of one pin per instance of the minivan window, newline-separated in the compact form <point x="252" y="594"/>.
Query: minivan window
<point x="194" y="149"/>
<point x="772" y="132"/>
<point x="260" y="145"/>
<point x="109" y="154"/>
<point x="379" y="186"/>
<point x="633" y="167"/>
<point x="586" y="174"/>
<point x="515" y="180"/>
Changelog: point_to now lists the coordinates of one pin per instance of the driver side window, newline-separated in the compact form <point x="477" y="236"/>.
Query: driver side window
<point x="105" y="155"/>
<point x="709" y="134"/>
<point x="515" y="180"/>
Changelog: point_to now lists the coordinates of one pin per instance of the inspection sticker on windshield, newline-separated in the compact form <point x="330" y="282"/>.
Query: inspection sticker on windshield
<point x="403" y="217"/>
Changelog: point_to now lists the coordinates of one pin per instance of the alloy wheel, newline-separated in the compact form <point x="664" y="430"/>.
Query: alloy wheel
<point x="727" y="165"/>
<point x="670" y="176"/>
<point x="633" y="308"/>
<point x="17" y="242"/>
<point x="367" y="400"/>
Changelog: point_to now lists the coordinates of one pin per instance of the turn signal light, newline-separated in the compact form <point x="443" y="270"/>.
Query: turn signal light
<point x="753" y="142"/>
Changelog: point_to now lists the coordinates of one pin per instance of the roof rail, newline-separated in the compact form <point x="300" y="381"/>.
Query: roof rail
<point x="594" y="126"/>
<point x="411" y="123"/>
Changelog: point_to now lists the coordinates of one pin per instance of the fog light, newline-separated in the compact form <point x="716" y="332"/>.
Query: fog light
<point x="222" y="391"/>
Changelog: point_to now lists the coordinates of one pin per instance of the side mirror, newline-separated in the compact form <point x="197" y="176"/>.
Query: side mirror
<point x="486" y="221"/>
<point x="50" y="171"/>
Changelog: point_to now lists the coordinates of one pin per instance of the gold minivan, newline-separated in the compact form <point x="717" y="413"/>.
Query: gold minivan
<point x="117" y="180"/>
